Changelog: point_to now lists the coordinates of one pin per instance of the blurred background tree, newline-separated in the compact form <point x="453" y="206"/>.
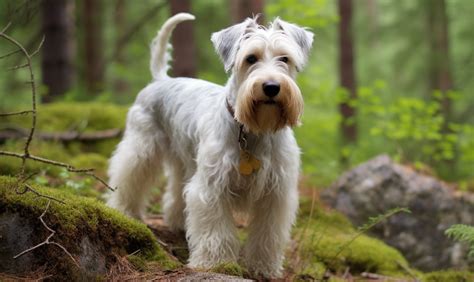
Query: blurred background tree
<point x="385" y="76"/>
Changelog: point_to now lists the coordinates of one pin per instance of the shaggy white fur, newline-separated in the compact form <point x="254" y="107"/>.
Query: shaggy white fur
<point x="183" y="127"/>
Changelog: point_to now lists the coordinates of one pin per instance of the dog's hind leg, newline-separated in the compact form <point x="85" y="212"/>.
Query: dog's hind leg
<point x="135" y="164"/>
<point x="173" y="200"/>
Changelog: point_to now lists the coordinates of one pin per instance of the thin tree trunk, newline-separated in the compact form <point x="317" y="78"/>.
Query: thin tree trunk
<point x="184" y="46"/>
<point x="94" y="54"/>
<point x="440" y="72"/>
<point x="58" y="50"/>
<point x="372" y="12"/>
<point x="242" y="9"/>
<point x="346" y="72"/>
<point x="120" y="85"/>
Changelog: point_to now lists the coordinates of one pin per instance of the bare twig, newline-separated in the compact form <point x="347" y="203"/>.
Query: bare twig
<point x="26" y="153"/>
<point x="33" y="96"/>
<point x="67" y="136"/>
<point x="43" y="195"/>
<point x="10" y="53"/>
<point x="47" y="241"/>
<point x="68" y="167"/>
<point x="18" y="67"/>
<point x="16" y="113"/>
<point x="6" y="27"/>
<point x="38" y="48"/>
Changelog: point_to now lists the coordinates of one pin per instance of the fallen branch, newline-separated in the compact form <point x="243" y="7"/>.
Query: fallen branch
<point x="67" y="136"/>
<point x="16" y="113"/>
<point x="47" y="241"/>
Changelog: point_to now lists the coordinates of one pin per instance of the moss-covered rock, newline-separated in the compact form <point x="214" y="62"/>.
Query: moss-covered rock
<point x="329" y="242"/>
<point x="93" y="233"/>
<point x="448" y="276"/>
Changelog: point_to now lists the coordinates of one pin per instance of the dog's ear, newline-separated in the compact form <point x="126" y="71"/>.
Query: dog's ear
<point x="226" y="42"/>
<point x="300" y="35"/>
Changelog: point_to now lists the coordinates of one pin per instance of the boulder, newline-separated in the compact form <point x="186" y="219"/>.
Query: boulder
<point x="378" y="185"/>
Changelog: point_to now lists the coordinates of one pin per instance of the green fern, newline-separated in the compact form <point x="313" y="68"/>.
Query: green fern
<point x="462" y="233"/>
<point x="371" y="222"/>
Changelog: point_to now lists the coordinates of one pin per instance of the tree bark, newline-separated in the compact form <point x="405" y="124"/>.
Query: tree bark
<point x="347" y="72"/>
<point x="93" y="40"/>
<point x="58" y="51"/>
<point x="184" y="46"/>
<point x="440" y="72"/>
<point x="242" y="9"/>
<point x="120" y="85"/>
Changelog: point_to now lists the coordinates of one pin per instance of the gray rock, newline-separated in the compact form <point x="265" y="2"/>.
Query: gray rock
<point x="380" y="184"/>
<point x="19" y="233"/>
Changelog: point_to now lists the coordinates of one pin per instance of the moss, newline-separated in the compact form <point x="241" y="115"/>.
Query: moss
<point x="324" y="242"/>
<point x="229" y="268"/>
<point x="84" y="117"/>
<point x="324" y="217"/>
<point x="448" y="276"/>
<point x="80" y="217"/>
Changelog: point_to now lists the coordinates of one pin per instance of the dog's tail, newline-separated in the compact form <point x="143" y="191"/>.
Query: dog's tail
<point x="159" y="46"/>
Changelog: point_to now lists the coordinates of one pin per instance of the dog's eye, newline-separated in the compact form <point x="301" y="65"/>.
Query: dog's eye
<point x="251" y="59"/>
<point x="283" y="59"/>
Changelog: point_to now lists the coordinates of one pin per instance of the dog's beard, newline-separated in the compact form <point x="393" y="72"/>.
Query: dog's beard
<point x="261" y="115"/>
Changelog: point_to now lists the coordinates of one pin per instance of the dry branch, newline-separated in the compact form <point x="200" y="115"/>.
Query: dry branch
<point x="67" y="136"/>
<point x="22" y="177"/>
<point x="16" y="113"/>
<point x="29" y="134"/>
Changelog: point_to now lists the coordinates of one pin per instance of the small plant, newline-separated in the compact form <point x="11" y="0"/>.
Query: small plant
<point x="463" y="233"/>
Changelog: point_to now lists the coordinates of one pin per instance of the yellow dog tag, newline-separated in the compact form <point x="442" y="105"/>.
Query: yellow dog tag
<point x="248" y="163"/>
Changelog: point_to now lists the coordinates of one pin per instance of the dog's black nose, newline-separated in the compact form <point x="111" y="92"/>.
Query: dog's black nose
<point x="271" y="88"/>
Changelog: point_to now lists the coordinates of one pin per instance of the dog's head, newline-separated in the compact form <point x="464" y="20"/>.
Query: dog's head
<point x="264" y="62"/>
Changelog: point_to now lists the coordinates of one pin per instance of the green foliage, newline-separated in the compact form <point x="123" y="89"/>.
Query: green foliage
<point x="372" y="221"/>
<point x="463" y="233"/>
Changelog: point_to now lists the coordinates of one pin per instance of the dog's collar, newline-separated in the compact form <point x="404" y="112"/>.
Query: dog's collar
<point x="229" y="108"/>
<point x="242" y="138"/>
<point x="248" y="163"/>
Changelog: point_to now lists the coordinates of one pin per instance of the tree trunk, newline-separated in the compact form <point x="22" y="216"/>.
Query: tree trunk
<point x="58" y="51"/>
<point x="242" y="9"/>
<point x="372" y="13"/>
<point x="440" y="73"/>
<point x="346" y="72"/>
<point x="184" y="47"/>
<point x="120" y="85"/>
<point x="94" y="55"/>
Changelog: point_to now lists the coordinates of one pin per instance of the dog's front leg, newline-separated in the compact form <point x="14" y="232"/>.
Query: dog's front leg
<point x="210" y="228"/>
<point x="270" y="227"/>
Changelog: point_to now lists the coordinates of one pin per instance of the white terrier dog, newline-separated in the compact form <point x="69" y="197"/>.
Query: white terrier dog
<point x="224" y="149"/>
